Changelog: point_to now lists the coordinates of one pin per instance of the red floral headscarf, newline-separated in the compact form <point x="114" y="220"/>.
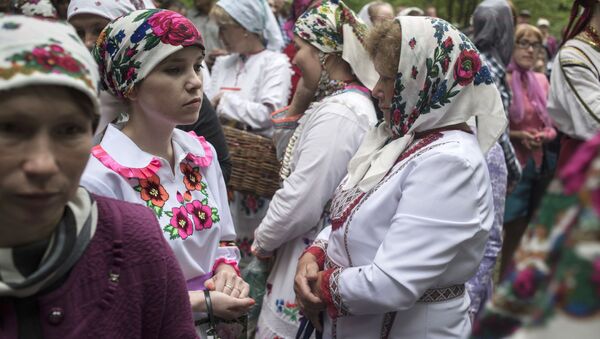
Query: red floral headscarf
<point x="130" y="47"/>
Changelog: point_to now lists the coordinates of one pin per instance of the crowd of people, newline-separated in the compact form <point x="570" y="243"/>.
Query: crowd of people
<point x="435" y="182"/>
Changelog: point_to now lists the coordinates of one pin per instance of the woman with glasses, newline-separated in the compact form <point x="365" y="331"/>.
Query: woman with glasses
<point x="530" y="129"/>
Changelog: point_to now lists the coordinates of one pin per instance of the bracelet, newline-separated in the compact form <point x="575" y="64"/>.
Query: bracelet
<point x="212" y="331"/>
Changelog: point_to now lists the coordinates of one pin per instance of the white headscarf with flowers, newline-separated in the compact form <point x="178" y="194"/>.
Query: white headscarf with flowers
<point x="131" y="46"/>
<point x="441" y="81"/>
<point x="332" y="27"/>
<point x="109" y="9"/>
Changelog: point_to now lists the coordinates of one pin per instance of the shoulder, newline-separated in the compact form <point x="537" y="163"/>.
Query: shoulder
<point x="454" y="149"/>
<point x="135" y="225"/>
<point x="350" y="105"/>
<point x="274" y="60"/>
<point x="575" y="53"/>
<point x="225" y="62"/>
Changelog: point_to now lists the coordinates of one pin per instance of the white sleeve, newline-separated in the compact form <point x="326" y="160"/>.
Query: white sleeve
<point x="274" y="89"/>
<point x="575" y="94"/>
<point x="438" y="213"/>
<point x="327" y="146"/>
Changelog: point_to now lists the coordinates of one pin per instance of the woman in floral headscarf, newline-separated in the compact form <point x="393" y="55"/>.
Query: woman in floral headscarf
<point x="410" y="222"/>
<point x="152" y="58"/>
<point x="336" y="68"/>
<point x="72" y="264"/>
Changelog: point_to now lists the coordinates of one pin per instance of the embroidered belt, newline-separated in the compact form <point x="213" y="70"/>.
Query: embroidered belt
<point x="434" y="295"/>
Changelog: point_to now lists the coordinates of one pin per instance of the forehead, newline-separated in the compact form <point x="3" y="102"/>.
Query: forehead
<point x="529" y="36"/>
<point x="187" y="54"/>
<point x="42" y="103"/>
<point x="84" y="19"/>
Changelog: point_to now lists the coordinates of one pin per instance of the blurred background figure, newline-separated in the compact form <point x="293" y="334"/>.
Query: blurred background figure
<point x="207" y="26"/>
<point x="173" y="5"/>
<point x="523" y="17"/>
<point x="431" y="11"/>
<point x="411" y="11"/>
<point x="376" y="12"/>
<point x="550" y="42"/>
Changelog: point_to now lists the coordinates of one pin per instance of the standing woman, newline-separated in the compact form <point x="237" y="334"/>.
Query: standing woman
<point x="248" y="85"/>
<point x="411" y="219"/>
<point x="72" y="264"/>
<point x="574" y="102"/>
<point x="530" y="128"/>
<point x="336" y="67"/>
<point x="152" y="58"/>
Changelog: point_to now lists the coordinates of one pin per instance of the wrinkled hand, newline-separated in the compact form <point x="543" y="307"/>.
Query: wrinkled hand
<point x="224" y="306"/>
<point x="228" y="282"/>
<point x="307" y="287"/>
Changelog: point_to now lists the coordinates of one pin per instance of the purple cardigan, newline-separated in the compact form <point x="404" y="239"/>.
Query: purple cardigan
<point x="144" y="297"/>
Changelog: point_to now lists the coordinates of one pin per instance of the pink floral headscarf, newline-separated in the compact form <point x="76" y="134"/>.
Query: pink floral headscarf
<point x="130" y="47"/>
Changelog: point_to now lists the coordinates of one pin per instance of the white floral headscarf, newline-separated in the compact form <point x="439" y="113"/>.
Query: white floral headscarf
<point x="131" y="46"/>
<point x="36" y="8"/>
<point x="109" y="9"/>
<point x="332" y="27"/>
<point x="38" y="52"/>
<point x="441" y="81"/>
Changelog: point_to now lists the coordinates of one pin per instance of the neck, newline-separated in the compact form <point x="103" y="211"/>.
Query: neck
<point x="150" y="135"/>
<point x="339" y="70"/>
<point x="253" y="46"/>
<point x="18" y="235"/>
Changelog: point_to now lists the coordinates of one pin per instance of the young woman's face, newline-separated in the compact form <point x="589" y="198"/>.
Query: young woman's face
<point x="88" y="27"/>
<point x="45" y="142"/>
<point x="526" y="50"/>
<point x="384" y="89"/>
<point x="172" y="92"/>
<point x="307" y="60"/>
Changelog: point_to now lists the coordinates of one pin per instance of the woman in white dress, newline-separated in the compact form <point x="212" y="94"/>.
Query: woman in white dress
<point x="317" y="156"/>
<point x="410" y="221"/>
<point x="152" y="58"/>
<point x="247" y="86"/>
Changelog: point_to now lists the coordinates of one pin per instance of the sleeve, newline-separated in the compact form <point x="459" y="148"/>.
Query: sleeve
<point x="327" y="146"/>
<point x="227" y="252"/>
<point x="319" y="247"/>
<point x="274" y="89"/>
<point x="406" y="269"/>
<point x="209" y="126"/>
<point x="577" y="93"/>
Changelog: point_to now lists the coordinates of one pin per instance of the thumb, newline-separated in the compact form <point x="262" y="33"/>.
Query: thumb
<point x="243" y="303"/>
<point x="210" y="284"/>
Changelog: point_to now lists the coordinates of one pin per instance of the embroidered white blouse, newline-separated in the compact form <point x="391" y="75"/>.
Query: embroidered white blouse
<point x="189" y="202"/>
<point x="253" y="87"/>
<point x="423" y="227"/>
<point x="574" y="98"/>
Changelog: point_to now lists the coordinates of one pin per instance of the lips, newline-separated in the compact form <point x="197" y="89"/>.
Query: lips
<point x="193" y="101"/>
<point x="38" y="199"/>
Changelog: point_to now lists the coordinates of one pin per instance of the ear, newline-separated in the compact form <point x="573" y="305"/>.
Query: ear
<point x="133" y="95"/>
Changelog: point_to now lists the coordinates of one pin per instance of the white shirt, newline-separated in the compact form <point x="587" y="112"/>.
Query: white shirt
<point x="253" y="88"/>
<point x="574" y="98"/>
<point x="191" y="208"/>
<point x="423" y="226"/>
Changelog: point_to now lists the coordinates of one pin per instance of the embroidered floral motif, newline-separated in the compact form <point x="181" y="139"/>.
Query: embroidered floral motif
<point x="153" y="193"/>
<point x="245" y="246"/>
<point x="203" y="215"/>
<point x="180" y="223"/>
<point x="192" y="178"/>
<point x="252" y="203"/>
<point x="288" y="309"/>
<point x="412" y="43"/>
<point x="46" y="58"/>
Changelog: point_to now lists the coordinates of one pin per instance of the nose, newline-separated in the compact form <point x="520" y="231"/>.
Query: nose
<point x="377" y="90"/>
<point x="40" y="162"/>
<point x="90" y="40"/>
<point x="194" y="83"/>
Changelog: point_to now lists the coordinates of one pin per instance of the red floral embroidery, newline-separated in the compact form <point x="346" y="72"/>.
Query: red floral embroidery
<point x="202" y="214"/>
<point x="467" y="65"/>
<point x="181" y="222"/>
<point x="153" y="191"/>
<point x="412" y="43"/>
<point x="192" y="177"/>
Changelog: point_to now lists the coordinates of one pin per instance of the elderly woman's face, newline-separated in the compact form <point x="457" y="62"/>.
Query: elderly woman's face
<point x="307" y="59"/>
<point x="88" y="27"/>
<point x="526" y="50"/>
<point x="45" y="142"/>
<point x="384" y="89"/>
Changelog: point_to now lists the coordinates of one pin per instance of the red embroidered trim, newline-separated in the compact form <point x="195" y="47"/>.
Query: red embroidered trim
<point x="326" y="293"/>
<point x="128" y="172"/>
<point x="225" y="261"/>
<point x="336" y="223"/>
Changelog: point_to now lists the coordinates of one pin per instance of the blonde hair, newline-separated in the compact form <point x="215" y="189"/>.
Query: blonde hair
<point x="524" y="29"/>
<point x="221" y="17"/>
<point x="384" y="40"/>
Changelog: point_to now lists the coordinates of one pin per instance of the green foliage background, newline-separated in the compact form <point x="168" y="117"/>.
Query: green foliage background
<point x="459" y="11"/>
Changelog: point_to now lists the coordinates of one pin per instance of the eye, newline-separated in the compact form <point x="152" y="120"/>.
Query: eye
<point x="70" y="130"/>
<point x="9" y="128"/>
<point x="173" y="70"/>
<point x="81" y="33"/>
<point x="198" y="68"/>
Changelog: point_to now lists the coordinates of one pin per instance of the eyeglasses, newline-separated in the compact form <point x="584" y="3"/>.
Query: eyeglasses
<point x="523" y="44"/>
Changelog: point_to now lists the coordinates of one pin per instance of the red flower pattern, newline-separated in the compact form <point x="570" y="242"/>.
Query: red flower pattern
<point x="174" y="29"/>
<point x="181" y="222"/>
<point x="153" y="191"/>
<point x="192" y="177"/>
<point x="467" y="65"/>
<point x="202" y="215"/>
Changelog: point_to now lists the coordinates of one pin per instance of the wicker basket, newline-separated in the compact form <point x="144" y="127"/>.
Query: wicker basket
<point x="255" y="168"/>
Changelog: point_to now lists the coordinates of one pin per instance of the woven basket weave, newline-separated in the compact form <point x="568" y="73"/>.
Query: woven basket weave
<point x="255" y="168"/>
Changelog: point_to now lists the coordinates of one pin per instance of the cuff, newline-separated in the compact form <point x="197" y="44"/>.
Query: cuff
<point x="330" y="293"/>
<point x="221" y="261"/>
<point x="258" y="250"/>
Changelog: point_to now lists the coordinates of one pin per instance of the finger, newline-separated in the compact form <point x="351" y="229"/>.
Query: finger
<point x="229" y="284"/>
<point x="219" y="282"/>
<point x="245" y="291"/>
<point x="210" y="284"/>
<point x="312" y="271"/>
